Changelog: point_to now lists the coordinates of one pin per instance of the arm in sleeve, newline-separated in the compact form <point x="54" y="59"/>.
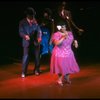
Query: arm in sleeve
<point x="21" y="30"/>
<point x="72" y="22"/>
<point x="39" y="34"/>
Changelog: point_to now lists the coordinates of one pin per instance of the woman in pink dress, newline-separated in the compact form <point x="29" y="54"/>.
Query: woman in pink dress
<point x="63" y="62"/>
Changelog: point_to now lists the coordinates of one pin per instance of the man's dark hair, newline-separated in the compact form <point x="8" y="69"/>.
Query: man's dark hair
<point x="30" y="11"/>
<point x="48" y="11"/>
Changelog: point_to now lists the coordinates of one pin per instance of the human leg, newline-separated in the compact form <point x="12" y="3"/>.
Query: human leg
<point x="60" y="79"/>
<point x="37" y="60"/>
<point x="25" y="61"/>
<point x="67" y="78"/>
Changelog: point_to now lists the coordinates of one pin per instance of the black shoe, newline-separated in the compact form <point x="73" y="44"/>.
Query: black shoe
<point x="67" y="81"/>
<point x="40" y="71"/>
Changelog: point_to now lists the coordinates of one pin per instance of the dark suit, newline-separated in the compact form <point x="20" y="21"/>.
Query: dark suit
<point x="33" y="32"/>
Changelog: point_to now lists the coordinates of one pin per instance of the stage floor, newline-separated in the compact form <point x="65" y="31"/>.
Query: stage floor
<point x="85" y="84"/>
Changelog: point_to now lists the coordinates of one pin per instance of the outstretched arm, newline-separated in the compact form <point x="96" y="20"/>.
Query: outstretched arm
<point x="72" y="22"/>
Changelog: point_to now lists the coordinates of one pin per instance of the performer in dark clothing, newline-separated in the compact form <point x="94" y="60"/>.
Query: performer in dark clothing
<point x="47" y="27"/>
<point x="64" y="15"/>
<point x="31" y="34"/>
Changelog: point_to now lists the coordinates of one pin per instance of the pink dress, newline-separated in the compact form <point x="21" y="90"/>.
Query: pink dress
<point x="62" y="59"/>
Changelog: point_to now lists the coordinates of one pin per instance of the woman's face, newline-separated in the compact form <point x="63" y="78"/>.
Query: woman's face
<point x="46" y="15"/>
<point x="63" y="28"/>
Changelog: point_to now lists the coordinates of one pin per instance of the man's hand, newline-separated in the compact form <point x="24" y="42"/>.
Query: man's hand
<point x="80" y="30"/>
<point x="39" y="40"/>
<point x="27" y="37"/>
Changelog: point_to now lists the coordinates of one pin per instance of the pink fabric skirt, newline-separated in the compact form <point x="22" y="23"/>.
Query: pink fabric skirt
<point x="64" y="65"/>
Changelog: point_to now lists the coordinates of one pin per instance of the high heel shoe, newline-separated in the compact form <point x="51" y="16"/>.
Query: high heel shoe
<point x="60" y="83"/>
<point x="67" y="81"/>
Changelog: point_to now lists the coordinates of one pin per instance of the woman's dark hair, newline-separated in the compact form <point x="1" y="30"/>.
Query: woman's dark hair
<point x="61" y="23"/>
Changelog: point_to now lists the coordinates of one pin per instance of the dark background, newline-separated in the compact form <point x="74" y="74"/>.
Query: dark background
<point x="86" y="14"/>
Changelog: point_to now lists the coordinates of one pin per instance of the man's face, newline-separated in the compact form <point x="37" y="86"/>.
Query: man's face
<point x="46" y="15"/>
<point x="30" y="18"/>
